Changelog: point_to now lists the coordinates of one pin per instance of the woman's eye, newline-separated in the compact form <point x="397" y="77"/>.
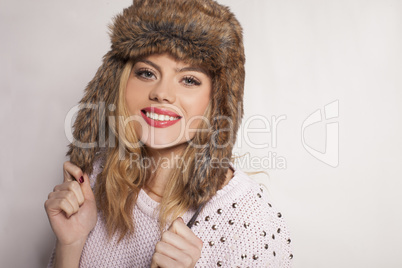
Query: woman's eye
<point x="145" y="74"/>
<point x="191" y="81"/>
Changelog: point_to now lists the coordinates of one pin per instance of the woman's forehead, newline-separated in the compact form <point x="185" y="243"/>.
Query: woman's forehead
<point x="183" y="64"/>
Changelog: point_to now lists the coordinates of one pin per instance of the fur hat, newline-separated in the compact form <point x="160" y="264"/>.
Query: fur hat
<point x="200" y="32"/>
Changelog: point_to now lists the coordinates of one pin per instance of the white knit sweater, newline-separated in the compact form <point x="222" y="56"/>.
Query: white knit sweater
<point x="239" y="228"/>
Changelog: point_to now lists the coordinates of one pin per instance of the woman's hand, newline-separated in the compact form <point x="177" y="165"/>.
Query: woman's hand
<point x="71" y="207"/>
<point x="179" y="247"/>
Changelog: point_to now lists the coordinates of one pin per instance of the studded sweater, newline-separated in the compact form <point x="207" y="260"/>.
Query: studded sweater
<point x="239" y="227"/>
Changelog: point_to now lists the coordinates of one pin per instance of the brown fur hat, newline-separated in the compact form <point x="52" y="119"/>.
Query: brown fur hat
<point x="201" y="32"/>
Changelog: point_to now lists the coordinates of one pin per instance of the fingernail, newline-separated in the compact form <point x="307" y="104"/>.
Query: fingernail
<point x="82" y="179"/>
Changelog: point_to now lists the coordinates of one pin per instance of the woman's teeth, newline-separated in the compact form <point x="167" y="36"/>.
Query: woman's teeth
<point x="161" y="117"/>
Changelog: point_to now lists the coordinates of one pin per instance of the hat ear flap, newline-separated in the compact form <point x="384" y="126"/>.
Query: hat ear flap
<point x="89" y="127"/>
<point x="211" y="168"/>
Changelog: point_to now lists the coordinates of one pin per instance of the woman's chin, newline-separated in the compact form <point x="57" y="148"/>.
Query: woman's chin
<point x="164" y="145"/>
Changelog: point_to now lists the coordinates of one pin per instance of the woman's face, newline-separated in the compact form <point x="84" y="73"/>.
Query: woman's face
<point x="167" y="99"/>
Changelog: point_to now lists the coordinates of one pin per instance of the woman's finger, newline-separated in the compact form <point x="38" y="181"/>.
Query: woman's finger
<point x="162" y="261"/>
<point x="55" y="206"/>
<point x="189" y="253"/>
<point x="175" y="240"/>
<point x="173" y="253"/>
<point x="72" y="172"/>
<point x="69" y="196"/>
<point x="72" y="186"/>
<point x="86" y="188"/>
<point x="180" y="228"/>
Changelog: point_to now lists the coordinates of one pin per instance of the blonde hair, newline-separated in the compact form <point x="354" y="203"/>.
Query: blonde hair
<point x="118" y="185"/>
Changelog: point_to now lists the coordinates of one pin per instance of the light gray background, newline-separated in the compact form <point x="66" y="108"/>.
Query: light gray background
<point x="301" y="56"/>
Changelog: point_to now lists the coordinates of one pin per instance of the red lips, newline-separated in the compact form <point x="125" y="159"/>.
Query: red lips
<point x="159" y="124"/>
<point x="160" y="111"/>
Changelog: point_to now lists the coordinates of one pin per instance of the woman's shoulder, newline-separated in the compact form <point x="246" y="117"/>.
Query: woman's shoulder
<point x="248" y="199"/>
<point x="241" y="221"/>
<point x="243" y="191"/>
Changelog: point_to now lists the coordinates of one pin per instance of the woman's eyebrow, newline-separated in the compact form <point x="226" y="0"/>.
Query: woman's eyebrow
<point x="179" y="70"/>
<point x="151" y="63"/>
<point x="191" y="68"/>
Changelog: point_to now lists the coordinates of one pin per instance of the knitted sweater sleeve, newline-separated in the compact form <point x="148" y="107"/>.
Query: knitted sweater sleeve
<point x="243" y="230"/>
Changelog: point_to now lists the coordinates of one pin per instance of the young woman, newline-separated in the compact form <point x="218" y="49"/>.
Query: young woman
<point x="150" y="182"/>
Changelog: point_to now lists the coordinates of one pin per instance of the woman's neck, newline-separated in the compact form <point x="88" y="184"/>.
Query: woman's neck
<point x="163" y="161"/>
<point x="156" y="184"/>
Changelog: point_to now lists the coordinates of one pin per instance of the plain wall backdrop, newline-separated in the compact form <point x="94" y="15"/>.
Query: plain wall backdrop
<point x="301" y="57"/>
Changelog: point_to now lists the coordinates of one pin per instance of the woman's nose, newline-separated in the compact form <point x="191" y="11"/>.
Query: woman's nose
<point x="163" y="92"/>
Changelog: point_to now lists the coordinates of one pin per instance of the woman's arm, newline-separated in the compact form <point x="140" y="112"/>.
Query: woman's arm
<point x="72" y="213"/>
<point x="68" y="255"/>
